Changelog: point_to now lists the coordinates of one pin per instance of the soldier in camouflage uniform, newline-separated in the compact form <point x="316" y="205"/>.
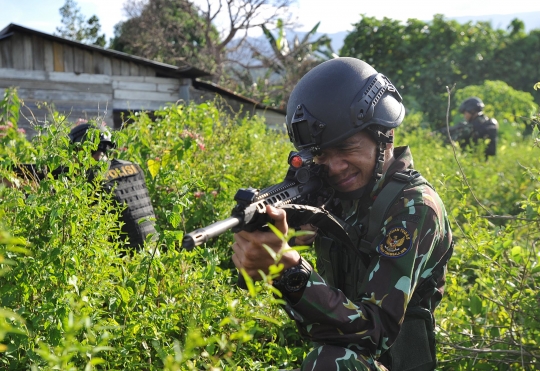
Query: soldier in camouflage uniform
<point x="126" y="180"/>
<point x="477" y="126"/>
<point x="369" y="304"/>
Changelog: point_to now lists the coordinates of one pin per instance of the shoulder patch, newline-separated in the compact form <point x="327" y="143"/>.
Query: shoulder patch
<point x="395" y="243"/>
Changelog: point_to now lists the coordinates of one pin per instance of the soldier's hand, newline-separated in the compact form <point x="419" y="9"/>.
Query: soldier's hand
<point x="250" y="254"/>
<point x="306" y="239"/>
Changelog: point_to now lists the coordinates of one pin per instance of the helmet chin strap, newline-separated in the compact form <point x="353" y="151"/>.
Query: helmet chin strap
<point x="379" y="164"/>
<point x="382" y="138"/>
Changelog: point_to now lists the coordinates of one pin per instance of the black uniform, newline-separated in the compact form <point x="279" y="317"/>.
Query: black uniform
<point x="126" y="180"/>
<point x="485" y="128"/>
<point x="482" y="127"/>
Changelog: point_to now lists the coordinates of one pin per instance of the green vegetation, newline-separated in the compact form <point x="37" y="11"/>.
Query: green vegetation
<point x="70" y="301"/>
<point x="422" y="58"/>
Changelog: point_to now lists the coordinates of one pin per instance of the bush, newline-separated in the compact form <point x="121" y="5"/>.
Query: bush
<point x="81" y="304"/>
<point x="512" y="108"/>
<point x="488" y="319"/>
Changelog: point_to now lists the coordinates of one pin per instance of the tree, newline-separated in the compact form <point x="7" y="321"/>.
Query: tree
<point x="422" y="58"/>
<point x="282" y="62"/>
<point x="516" y="62"/>
<point x="76" y="27"/>
<point x="175" y="31"/>
<point x="169" y="31"/>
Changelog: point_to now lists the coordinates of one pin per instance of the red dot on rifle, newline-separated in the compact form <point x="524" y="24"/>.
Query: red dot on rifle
<point x="296" y="161"/>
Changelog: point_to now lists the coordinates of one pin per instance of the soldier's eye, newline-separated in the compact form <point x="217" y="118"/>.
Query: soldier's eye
<point x="320" y="157"/>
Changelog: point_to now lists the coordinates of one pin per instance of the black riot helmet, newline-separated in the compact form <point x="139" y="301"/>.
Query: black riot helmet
<point x="339" y="98"/>
<point x="472" y="105"/>
<point x="78" y="135"/>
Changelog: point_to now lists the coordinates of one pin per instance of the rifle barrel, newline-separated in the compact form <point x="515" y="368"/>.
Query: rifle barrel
<point x="202" y="235"/>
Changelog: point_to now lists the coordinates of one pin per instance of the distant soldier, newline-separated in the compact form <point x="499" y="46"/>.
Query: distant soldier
<point x="126" y="180"/>
<point x="477" y="126"/>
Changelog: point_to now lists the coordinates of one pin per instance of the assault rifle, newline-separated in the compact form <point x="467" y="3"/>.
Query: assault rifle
<point x="303" y="184"/>
<point x="31" y="172"/>
<point x="455" y="131"/>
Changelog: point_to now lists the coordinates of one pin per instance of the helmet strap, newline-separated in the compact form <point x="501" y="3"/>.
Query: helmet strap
<point x="380" y="134"/>
<point x="382" y="137"/>
<point x="379" y="164"/>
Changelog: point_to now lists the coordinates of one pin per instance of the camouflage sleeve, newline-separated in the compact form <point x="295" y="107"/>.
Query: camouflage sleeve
<point x="402" y="259"/>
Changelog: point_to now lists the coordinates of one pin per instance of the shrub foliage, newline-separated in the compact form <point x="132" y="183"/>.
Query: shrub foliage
<point x="70" y="300"/>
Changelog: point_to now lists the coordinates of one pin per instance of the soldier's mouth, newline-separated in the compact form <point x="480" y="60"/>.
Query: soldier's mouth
<point x="346" y="181"/>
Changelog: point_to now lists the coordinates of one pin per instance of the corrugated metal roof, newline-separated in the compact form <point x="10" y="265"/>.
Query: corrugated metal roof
<point x="184" y="70"/>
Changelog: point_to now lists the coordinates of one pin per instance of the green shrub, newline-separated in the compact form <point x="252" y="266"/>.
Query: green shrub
<point x="488" y="319"/>
<point x="82" y="305"/>
<point x="512" y="108"/>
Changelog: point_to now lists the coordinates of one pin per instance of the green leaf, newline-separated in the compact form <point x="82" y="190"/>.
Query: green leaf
<point x="249" y="283"/>
<point x="516" y="253"/>
<point x="153" y="167"/>
<point x="268" y="319"/>
<point x="124" y="294"/>
<point x="276" y="231"/>
<point x="475" y="305"/>
<point x="270" y="251"/>
<point x="175" y="219"/>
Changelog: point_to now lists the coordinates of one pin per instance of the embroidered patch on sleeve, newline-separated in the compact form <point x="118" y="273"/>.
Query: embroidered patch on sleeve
<point x="395" y="243"/>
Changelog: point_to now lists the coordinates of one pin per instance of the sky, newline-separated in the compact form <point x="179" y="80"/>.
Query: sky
<point x="335" y="15"/>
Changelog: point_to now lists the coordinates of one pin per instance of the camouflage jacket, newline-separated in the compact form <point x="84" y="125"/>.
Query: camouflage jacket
<point x="367" y="314"/>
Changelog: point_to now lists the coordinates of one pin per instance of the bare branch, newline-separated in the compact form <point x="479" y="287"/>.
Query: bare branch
<point x="494" y="351"/>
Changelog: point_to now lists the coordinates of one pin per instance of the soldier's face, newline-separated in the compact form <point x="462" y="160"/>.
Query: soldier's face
<point x="468" y="116"/>
<point x="350" y="164"/>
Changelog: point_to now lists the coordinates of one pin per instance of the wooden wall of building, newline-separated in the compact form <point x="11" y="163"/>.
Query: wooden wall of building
<point x="79" y="83"/>
<point x="32" y="52"/>
<point x="82" y="82"/>
<point x="86" y="95"/>
<point x="273" y="119"/>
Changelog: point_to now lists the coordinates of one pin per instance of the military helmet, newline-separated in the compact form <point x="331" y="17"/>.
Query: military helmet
<point x="79" y="132"/>
<point x="339" y="98"/>
<point x="472" y="105"/>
